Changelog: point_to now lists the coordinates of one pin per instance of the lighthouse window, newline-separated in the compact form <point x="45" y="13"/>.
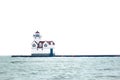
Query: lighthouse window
<point x="45" y="45"/>
<point x="34" y="45"/>
<point x="51" y="43"/>
<point x="37" y="35"/>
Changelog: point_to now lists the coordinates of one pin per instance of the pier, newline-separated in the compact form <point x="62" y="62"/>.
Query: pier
<point x="67" y="56"/>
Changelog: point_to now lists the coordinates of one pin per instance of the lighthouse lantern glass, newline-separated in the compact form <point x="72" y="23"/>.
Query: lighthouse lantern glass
<point x="37" y="35"/>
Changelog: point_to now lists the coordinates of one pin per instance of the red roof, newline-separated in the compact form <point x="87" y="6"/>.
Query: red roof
<point x="37" y="31"/>
<point x="42" y="42"/>
<point x="49" y="42"/>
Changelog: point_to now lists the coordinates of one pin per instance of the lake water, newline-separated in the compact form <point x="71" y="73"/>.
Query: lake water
<point x="60" y="68"/>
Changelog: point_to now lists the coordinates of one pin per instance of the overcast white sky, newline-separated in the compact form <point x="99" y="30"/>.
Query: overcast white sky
<point x="76" y="26"/>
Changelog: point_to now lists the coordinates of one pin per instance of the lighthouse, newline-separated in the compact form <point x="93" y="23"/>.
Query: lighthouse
<point x="42" y="48"/>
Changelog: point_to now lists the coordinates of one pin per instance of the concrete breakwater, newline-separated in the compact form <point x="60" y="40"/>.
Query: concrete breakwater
<point x="65" y="56"/>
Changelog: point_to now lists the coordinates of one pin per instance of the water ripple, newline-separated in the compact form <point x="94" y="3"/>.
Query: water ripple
<point x="109" y="76"/>
<point x="59" y="68"/>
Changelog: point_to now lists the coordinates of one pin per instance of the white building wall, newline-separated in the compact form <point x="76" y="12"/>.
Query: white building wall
<point x="40" y="51"/>
<point x="46" y="51"/>
<point x="37" y="39"/>
<point x="51" y="46"/>
<point x="34" y="51"/>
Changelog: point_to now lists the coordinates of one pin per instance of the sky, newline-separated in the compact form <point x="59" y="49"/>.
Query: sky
<point x="76" y="26"/>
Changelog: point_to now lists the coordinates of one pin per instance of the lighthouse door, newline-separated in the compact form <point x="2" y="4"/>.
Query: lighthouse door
<point x="51" y="52"/>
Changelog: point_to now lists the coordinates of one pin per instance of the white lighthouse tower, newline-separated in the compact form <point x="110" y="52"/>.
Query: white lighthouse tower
<point x="37" y="36"/>
<point x="42" y="48"/>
